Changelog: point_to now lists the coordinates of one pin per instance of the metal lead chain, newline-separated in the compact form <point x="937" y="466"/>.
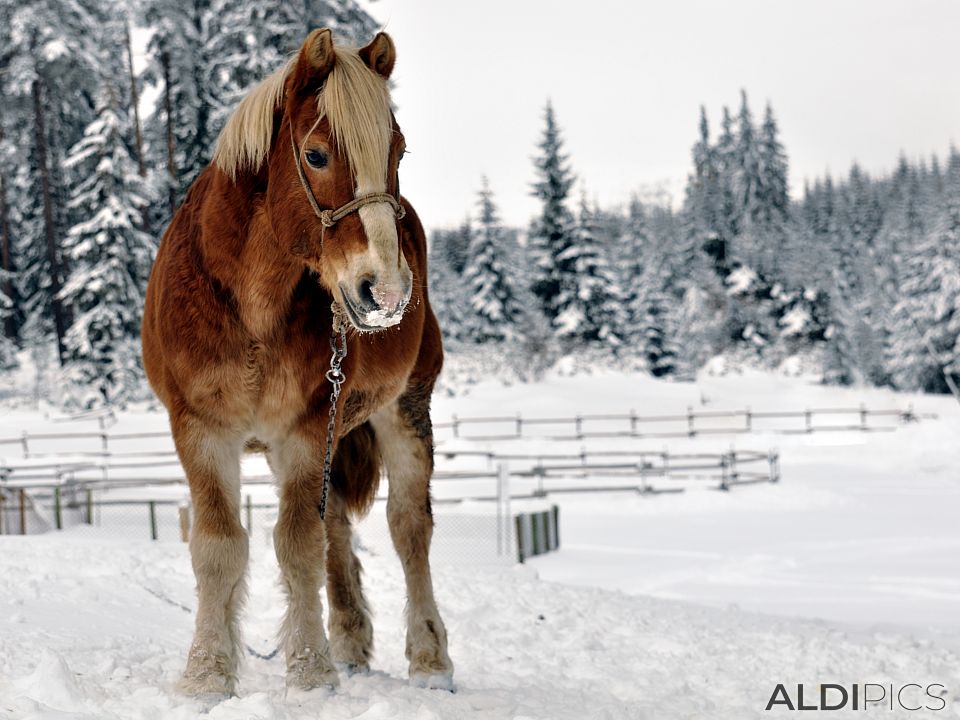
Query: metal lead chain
<point x="338" y="348"/>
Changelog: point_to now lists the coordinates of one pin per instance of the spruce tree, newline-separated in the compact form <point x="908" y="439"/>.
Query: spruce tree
<point x="110" y="258"/>
<point x="552" y="234"/>
<point x="591" y="302"/>
<point x="496" y="309"/>
<point x="925" y="328"/>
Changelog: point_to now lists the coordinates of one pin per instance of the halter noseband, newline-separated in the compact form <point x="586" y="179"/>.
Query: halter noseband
<point x="329" y="218"/>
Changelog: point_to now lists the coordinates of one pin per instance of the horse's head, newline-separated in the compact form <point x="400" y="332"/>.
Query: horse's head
<point x="330" y="166"/>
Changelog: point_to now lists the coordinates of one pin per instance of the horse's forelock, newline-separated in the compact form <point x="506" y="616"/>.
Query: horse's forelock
<point x="355" y="101"/>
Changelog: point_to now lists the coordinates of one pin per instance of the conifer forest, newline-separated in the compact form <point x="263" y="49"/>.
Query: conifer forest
<point x="855" y="279"/>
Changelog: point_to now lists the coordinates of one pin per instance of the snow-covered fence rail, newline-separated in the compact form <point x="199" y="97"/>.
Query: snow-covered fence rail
<point x="104" y="443"/>
<point x="693" y="423"/>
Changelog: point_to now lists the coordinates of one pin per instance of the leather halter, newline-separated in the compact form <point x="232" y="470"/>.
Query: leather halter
<point x="330" y="217"/>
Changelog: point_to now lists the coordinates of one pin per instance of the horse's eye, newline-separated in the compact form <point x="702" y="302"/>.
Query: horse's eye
<point x="316" y="158"/>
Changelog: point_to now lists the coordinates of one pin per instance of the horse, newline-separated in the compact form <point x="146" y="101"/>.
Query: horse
<point x="295" y="273"/>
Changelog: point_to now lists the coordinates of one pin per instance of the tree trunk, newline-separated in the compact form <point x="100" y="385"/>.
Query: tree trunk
<point x="135" y="101"/>
<point x="10" y="321"/>
<point x="59" y="319"/>
<point x="168" y="109"/>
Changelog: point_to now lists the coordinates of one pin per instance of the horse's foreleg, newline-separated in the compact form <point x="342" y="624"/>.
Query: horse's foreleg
<point x="218" y="550"/>
<point x="405" y="438"/>
<point x="299" y="543"/>
<point x="351" y="633"/>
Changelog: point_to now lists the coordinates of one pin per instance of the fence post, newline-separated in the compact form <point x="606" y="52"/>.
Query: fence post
<point x="89" y="506"/>
<point x="633" y="422"/>
<point x="644" y="488"/>
<point x="772" y="458"/>
<point x="2" y="511"/>
<point x="723" y="472"/>
<point x="521" y="542"/>
<point x="519" y="426"/>
<point x="23" y="511"/>
<point x="908" y="416"/>
<point x="153" y="519"/>
<point x="185" y="523"/>
<point x="25" y="443"/>
<point x="863" y="417"/>
<point x="808" y="418"/>
<point x="690" y="431"/>
<point x="456" y="425"/>
<point x="579" y="425"/>
<point x="749" y="418"/>
<point x="249" y="514"/>
<point x="500" y="510"/>
<point x="733" y="466"/>
<point x="57" y="508"/>
<point x="556" y="526"/>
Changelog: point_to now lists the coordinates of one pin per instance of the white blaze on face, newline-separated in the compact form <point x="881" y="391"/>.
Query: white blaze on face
<point x="384" y="259"/>
<point x="357" y="103"/>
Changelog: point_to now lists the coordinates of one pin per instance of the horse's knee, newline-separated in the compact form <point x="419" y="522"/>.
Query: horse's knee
<point x="222" y="557"/>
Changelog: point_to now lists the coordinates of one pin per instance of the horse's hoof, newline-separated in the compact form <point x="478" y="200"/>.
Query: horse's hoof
<point x="312" y="671"/>
<point x="208" y="678"/>
<point x="433" y="681"/>
<point x="351" y="669"/>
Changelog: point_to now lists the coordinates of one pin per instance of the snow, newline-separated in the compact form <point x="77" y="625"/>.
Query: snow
<point x="794" y="322"/>
<point x="686" y="605"/>
<point x="381" y="318"/>
<point x="740" y="280"/>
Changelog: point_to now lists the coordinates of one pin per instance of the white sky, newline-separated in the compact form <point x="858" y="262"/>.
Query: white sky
<point x="848" y="79"/>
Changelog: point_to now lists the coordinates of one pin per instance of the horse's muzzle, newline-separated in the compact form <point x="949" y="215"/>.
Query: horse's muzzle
<point x="371" y="308"/>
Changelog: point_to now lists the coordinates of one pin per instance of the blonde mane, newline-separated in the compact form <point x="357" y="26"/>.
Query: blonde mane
<point x="354" y="99"/>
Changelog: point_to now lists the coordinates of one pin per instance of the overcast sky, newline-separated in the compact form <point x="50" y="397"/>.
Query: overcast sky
<point x="848" y="79"/>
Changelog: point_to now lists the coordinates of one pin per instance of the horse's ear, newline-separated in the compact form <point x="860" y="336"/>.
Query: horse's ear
<point x="380" y="54"/>
<point x="314" y="62"/>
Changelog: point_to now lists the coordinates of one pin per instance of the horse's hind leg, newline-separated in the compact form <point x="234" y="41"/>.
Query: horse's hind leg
<point x="218" y="550"/>
<point x="355" y="477"/>
<point x="299" y="544"/>
<point x="405" y="437"/>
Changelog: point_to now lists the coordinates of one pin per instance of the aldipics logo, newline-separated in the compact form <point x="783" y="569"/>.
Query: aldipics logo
<point x="860" y="696"/>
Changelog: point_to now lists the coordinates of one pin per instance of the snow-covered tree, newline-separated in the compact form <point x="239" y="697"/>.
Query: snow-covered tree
<point x="552" y="234"/>
<point x="925" y="328"/>
<point x="496" y="309"/>
<point x="590" y="301"/>
<point x="110" y="259"/>
<point x="653" y="333"/>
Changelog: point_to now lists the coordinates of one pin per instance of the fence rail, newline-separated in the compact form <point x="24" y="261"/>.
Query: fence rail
<point x="691" y="423"/>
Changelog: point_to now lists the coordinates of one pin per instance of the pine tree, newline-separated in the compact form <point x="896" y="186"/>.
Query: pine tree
<point x="652" y="321"/>
<point x="496" y="309"/>
<point x="591" y="302"/>
<point x="926" y="319"/>
<point x="179" y="132"/>
<point x="51" y="60"/>
<point x="552" y="234"/>
<point x="110" y="259"/>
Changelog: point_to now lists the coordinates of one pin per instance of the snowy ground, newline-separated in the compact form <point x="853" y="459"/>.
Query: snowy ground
<point x="667" y="606"/>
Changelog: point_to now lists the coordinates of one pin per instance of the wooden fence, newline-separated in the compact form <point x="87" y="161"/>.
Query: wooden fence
<point x="690" y="424"/>
<point x="47" y="490"/>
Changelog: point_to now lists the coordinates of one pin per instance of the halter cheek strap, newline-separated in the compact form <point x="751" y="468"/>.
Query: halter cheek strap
<point x="329" y="218"/>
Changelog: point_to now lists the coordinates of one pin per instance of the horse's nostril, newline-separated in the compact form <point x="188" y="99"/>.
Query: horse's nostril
<point x="365" y="291"/>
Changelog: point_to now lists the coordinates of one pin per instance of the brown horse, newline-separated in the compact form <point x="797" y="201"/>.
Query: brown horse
<point x="298" y="216"/>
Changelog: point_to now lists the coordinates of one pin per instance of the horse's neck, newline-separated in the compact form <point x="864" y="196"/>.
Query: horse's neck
<point x="242" y="252"/>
